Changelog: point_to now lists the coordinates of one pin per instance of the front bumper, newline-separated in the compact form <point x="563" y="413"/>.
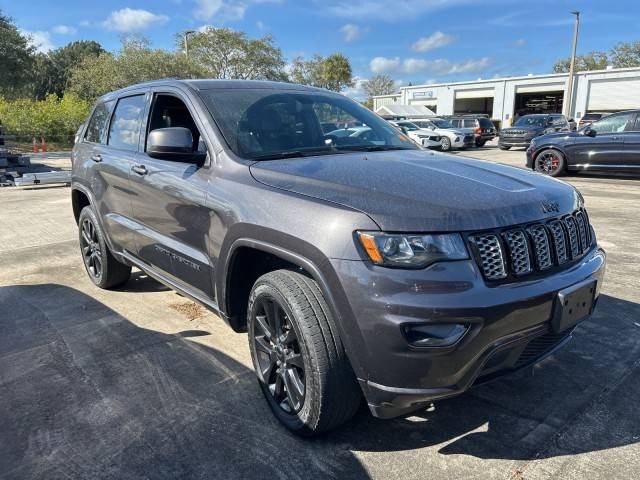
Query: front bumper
<point x="504" y="320"/>
<point x="515" y="142"/>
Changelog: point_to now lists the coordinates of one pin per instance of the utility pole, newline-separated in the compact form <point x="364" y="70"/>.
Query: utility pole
<point x="186" y="41"/>
<point x="569" y="100"/>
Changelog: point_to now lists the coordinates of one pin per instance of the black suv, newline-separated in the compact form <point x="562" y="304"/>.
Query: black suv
<point x="611" y="144"/>
<point x="528" y="127"/>
<point x="483" y="128"/>
<point x="360" y="267"/>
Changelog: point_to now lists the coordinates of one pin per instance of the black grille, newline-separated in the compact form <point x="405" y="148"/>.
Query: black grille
<point x="537" y="247"/>
<point x="539" y="346"/>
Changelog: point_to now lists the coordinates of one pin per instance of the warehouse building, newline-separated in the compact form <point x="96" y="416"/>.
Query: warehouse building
<point x="607" y="90"/>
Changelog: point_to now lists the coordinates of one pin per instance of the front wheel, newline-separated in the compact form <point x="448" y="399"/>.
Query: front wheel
<point x="550" y="162"/>
<point x="504" y="147"/>
<point x="298" y="355"/>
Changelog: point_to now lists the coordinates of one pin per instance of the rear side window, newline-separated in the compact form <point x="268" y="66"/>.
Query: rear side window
<point x="470" y="123"/>
<point x="124" y="132"/>
<point x="98" y="124"/>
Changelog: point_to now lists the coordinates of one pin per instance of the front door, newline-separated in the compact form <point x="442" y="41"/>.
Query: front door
<point x="168" y="202"/>
<point x="605" y="150"/>
<point x="631" y="160"/>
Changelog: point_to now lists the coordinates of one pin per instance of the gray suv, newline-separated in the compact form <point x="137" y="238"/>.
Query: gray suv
<point x="361" y="267"/>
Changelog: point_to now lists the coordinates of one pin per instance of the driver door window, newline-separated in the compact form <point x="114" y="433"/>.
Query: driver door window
<point x="612" y="124"/>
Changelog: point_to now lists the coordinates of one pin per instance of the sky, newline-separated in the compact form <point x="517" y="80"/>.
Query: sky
<point x="413" y="41"/>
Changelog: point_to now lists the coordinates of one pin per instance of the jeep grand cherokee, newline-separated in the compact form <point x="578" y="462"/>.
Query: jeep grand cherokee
<point x="359" y="268"/>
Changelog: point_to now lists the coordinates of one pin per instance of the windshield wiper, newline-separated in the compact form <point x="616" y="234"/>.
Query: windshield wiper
<point x="372" y="148"/>
<point x="294" y="153"/>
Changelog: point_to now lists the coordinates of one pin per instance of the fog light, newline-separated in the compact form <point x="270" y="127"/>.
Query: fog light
<point x="434" y="335"/>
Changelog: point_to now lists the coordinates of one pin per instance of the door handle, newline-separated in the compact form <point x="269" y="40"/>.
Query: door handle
<point x="97" y="158"/>
<point x="140" y="169"/>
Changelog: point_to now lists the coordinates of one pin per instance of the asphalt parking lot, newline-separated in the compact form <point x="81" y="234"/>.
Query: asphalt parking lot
<point x="141" y="383"/>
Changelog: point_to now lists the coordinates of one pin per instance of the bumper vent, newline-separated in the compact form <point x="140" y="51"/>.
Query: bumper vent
<point x="540" y="346"/>
<point x="538" y="247"/>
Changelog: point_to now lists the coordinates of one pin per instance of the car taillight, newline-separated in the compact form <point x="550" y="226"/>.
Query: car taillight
<point x="478" y="131"/>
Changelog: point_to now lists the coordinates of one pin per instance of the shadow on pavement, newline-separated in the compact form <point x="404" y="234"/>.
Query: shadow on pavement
<point x="85" y="393"/>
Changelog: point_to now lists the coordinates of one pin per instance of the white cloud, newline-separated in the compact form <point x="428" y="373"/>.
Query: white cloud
<point x="40" y="40"/>
<point x="132" y="20"/>
<point x="224" y="10"/>
<point x="521" y="42"/>
<point x="352" y="32"/>
<point x="433" y="41"/>
<point x="260" y="25"/>
<point x="384" y="65"/>
<point x="64" y="30"/>
<point x="385" y="10"/>
<point x="85" y="23"/>
<point x="440" y="66"/>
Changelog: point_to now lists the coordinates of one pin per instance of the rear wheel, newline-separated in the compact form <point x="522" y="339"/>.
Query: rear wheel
<point x="480" y="142"/>
<point x="503" y="147"/>
<point x="298" y="356"/>
<point x="102" y="267"/>
<point x="446" y="144"/>
<point x="550" y="162"/>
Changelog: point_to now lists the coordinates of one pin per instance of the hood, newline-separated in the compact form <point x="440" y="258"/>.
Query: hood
<point x="527" y="128"/>
<point x="419" y="191"/>
<point x="453" y="131"/>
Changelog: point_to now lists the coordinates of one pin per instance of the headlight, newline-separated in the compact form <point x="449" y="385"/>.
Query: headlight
<point x="412" y="251"/>
<point x="457" y="139"/>
<point x="423" y="136"/>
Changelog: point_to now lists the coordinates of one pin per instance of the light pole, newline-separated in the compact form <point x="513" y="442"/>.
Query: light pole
<point x="186" y="41"/>
<point x="569" y="101"/>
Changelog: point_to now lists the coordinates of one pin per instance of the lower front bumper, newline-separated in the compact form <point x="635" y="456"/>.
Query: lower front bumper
<point x="504" y="322"/>
<point x="514" y="143"/>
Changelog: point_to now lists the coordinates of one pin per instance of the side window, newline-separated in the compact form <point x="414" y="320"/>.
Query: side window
<point x="469" y="123"/>
<point x="613" y="123"/>
<point x="125" y="125"/>
<point x="97" y="125"/>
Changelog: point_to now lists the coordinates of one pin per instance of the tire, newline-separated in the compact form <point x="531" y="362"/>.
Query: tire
<point x="480" y="143"/>
<point x="504" y="147"/>
<point x="550" y="162"/>
<point x="101" y="266"/>
<point x="321" y="371"/>
<point x="445" y="144"/>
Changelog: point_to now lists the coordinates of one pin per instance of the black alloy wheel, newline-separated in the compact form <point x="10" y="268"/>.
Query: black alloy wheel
<point x="278" y="356"/>
<point x="550" y="162"/>
<point x="91" y="251"/>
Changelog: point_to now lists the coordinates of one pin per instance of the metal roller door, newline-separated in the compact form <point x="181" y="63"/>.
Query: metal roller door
<point x="614" y="94"/>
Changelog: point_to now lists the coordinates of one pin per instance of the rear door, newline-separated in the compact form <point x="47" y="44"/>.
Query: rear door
<point x="631" y="157"/>
<point x="604" y="151"/>
<point x="169" y="198"/>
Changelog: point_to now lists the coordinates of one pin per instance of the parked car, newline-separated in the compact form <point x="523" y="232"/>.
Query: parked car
<point x="483" y="128"/>
<point x="422" y="136"/>
<point x="608" y="145"/>
<point x="528" y="127"/>
<point x="357" y="269"/>
<point x="590" y="117"/>
<point x="362" y="133"/>
<point x="451" y="137"/>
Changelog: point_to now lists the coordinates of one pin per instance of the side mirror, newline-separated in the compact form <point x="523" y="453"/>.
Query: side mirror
<point x="174" y="143"/>
<point x="590" y="132"/>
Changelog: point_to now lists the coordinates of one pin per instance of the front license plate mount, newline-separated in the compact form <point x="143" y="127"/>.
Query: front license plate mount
<point x="573" y="304"/>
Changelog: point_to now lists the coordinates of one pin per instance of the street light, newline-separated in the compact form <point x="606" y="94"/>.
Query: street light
<point x="569" y="102"/>
<point x="186" y="41"/>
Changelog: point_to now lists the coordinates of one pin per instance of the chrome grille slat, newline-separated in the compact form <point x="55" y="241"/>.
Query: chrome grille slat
<point x="490" y="251"/>
<point x="518" y="252"/>
<point x="541" y="248"/>
<point x="515" y="252"/>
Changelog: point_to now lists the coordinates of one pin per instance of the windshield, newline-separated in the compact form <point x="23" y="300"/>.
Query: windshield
<point x="442" y="123"/>
<point x="265" y="124"/>
<point x="531" y="121"/>
<point x="409" y="126"/>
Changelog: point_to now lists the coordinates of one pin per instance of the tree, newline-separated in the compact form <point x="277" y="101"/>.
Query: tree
<point x="135" y="62"/>
<point x="589" y="61"/>
<point x="52" y="71"/>
<point x="377" y="85"/>
<point x="15" y="58"/>
<point x="226" y="53"/>
<point x="625" y="55"/>
<point x="333" y="72"/>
